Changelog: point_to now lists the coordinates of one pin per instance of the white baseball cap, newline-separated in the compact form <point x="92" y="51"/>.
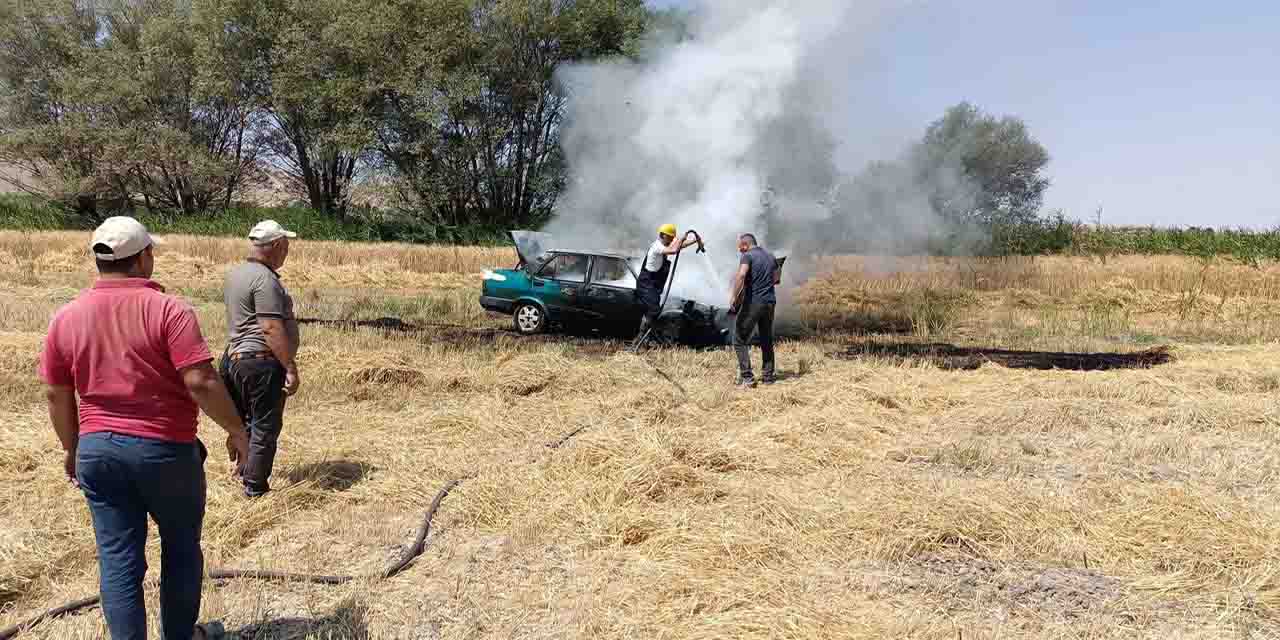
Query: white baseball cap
<point x="269" y="231"/>
<point x="123" y="236"/>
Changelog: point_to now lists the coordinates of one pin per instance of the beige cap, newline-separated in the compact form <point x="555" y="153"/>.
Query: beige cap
<point x="269" y="231"/>
<point x="123" y="236"/>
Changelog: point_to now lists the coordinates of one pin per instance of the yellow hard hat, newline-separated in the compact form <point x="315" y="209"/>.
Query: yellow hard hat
<point x="667" y="230"/>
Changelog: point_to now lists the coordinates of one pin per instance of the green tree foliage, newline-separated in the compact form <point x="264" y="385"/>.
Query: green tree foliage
<point x="474" y="130"/>
<point x="42" y="129"/>
<point x="972" y="184"/>
<point x="104" y="103"/>
<point x="310" y="65"/>
<point x="981" y="169"/>
<point x="179" y="106"/>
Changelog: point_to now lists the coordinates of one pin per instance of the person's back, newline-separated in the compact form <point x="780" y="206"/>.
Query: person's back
<point x="760" y="284"/>
<point x="753" y="303"/>
<point x="252" y="290"/>
<point x="259" y="367"/>
<point x="127" y="371"/>
<point x="124" y="342"/>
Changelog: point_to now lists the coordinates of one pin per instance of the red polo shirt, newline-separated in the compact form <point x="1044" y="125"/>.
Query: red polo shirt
<point x="121" y="344"/>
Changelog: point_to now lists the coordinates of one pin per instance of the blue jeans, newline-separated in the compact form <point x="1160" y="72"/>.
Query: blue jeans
<point x="125" y="479"/>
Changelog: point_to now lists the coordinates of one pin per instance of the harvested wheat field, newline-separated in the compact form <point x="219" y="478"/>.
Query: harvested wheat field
<point x="874" y="492"/>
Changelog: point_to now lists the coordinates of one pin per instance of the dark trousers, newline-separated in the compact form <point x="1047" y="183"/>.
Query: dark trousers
<point x="752" y="318"/>
<point x="125" y="479"/>
<point x="257" y="389"/>
<point x="649" y="300"/>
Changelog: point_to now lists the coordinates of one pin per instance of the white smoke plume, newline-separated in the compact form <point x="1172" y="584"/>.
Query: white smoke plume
<point x="699" y="132"/>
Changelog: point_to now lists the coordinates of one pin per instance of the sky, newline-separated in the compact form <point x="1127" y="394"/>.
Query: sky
<point x="1161" y="113"/>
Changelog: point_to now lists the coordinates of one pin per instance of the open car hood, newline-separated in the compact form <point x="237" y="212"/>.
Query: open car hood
<point x="530" y="244"/>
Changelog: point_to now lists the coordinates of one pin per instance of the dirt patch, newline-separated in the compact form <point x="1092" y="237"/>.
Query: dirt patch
<point x="947" y="356"/>
<point x="1064" y="591"/>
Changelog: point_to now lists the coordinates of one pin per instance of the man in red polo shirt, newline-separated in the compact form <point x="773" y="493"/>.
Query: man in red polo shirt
<point x="141" y="370"/>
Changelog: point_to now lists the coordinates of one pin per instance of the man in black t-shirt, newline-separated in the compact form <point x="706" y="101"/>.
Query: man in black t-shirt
<point x="754" y="301"/>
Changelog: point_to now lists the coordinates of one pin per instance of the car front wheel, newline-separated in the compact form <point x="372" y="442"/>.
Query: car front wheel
<point x="529" y="318"/>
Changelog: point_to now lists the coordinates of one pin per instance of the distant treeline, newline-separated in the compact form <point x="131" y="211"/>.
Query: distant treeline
<point x="1057" y="236"/>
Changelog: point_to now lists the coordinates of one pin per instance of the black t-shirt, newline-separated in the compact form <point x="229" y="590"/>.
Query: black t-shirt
<point x="759" y="286"/>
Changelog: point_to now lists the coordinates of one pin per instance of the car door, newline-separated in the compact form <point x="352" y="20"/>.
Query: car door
<point x="559" y="284"/>
<point x="610" y="292"/>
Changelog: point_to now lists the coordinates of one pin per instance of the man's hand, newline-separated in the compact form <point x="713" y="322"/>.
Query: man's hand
<point x="238" y="450"/>
<point x="69" y="467"/>
<point x="291" y="382"/>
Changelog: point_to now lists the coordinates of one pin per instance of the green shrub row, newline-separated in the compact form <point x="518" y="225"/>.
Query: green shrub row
<point x="24" y="213"/>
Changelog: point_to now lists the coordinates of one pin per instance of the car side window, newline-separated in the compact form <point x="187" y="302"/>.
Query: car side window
<point x="612" y="272"/>
<point x="566" y="267"/>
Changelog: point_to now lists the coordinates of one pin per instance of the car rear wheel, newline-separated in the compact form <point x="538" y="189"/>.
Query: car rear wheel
<point x="529" y="318"/>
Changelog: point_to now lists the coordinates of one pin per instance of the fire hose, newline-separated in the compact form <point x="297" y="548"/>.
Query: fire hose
<point x="416" y="548"/>
<point x="406" y="558"/>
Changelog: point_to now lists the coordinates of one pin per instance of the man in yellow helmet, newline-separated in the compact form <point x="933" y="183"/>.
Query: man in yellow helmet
<point x="655" y="270"/>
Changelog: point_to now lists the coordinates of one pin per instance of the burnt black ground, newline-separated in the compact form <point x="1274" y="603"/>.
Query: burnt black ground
<point x="948" y="356"/>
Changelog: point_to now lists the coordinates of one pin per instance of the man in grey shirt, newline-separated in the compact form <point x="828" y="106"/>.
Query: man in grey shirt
<point x="258" y="366"/>
<point x="754" y="301"/>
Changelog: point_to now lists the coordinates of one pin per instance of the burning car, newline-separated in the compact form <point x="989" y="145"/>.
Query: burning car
<point x="558" y="287"/>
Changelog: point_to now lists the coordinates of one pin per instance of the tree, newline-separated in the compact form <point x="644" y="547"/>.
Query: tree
<point x="981" y="169"/>
<point x="474" y="129"/>
<point x="305" y="61"/>
<point x="44" y="131"/>
<point x="103" y="103"/>
<point x="969" y="184"/>
<point x="178" y="127"/>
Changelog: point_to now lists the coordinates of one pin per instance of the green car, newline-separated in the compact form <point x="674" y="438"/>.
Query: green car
<point x="558" y="288"/>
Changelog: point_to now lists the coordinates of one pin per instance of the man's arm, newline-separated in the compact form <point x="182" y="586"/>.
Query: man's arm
<point x="64" y="414"/>
<point x="271" y="306"/>
<point x="206" y="387"/>
<point x="739" y="284"/>
<point x="677" y="245"/>
<point x="208" y="391"/>
<point x="277" y="337"/>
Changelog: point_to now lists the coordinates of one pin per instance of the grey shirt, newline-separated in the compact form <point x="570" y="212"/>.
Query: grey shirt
<point x="761" y="266"/>
<point x="253" y="290"/>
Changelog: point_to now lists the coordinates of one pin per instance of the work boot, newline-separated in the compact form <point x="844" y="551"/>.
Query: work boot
<point x="745" y="382"/>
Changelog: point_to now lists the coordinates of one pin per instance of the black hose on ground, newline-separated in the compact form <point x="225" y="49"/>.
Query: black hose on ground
<point x="415" y="550"/>
<point x="406" y="558"/>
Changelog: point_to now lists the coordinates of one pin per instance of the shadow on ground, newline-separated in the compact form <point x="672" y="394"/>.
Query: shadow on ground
<point x="947" y="356"/>
<point x="331" y="475"/>
<point x="347" y="622"/>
